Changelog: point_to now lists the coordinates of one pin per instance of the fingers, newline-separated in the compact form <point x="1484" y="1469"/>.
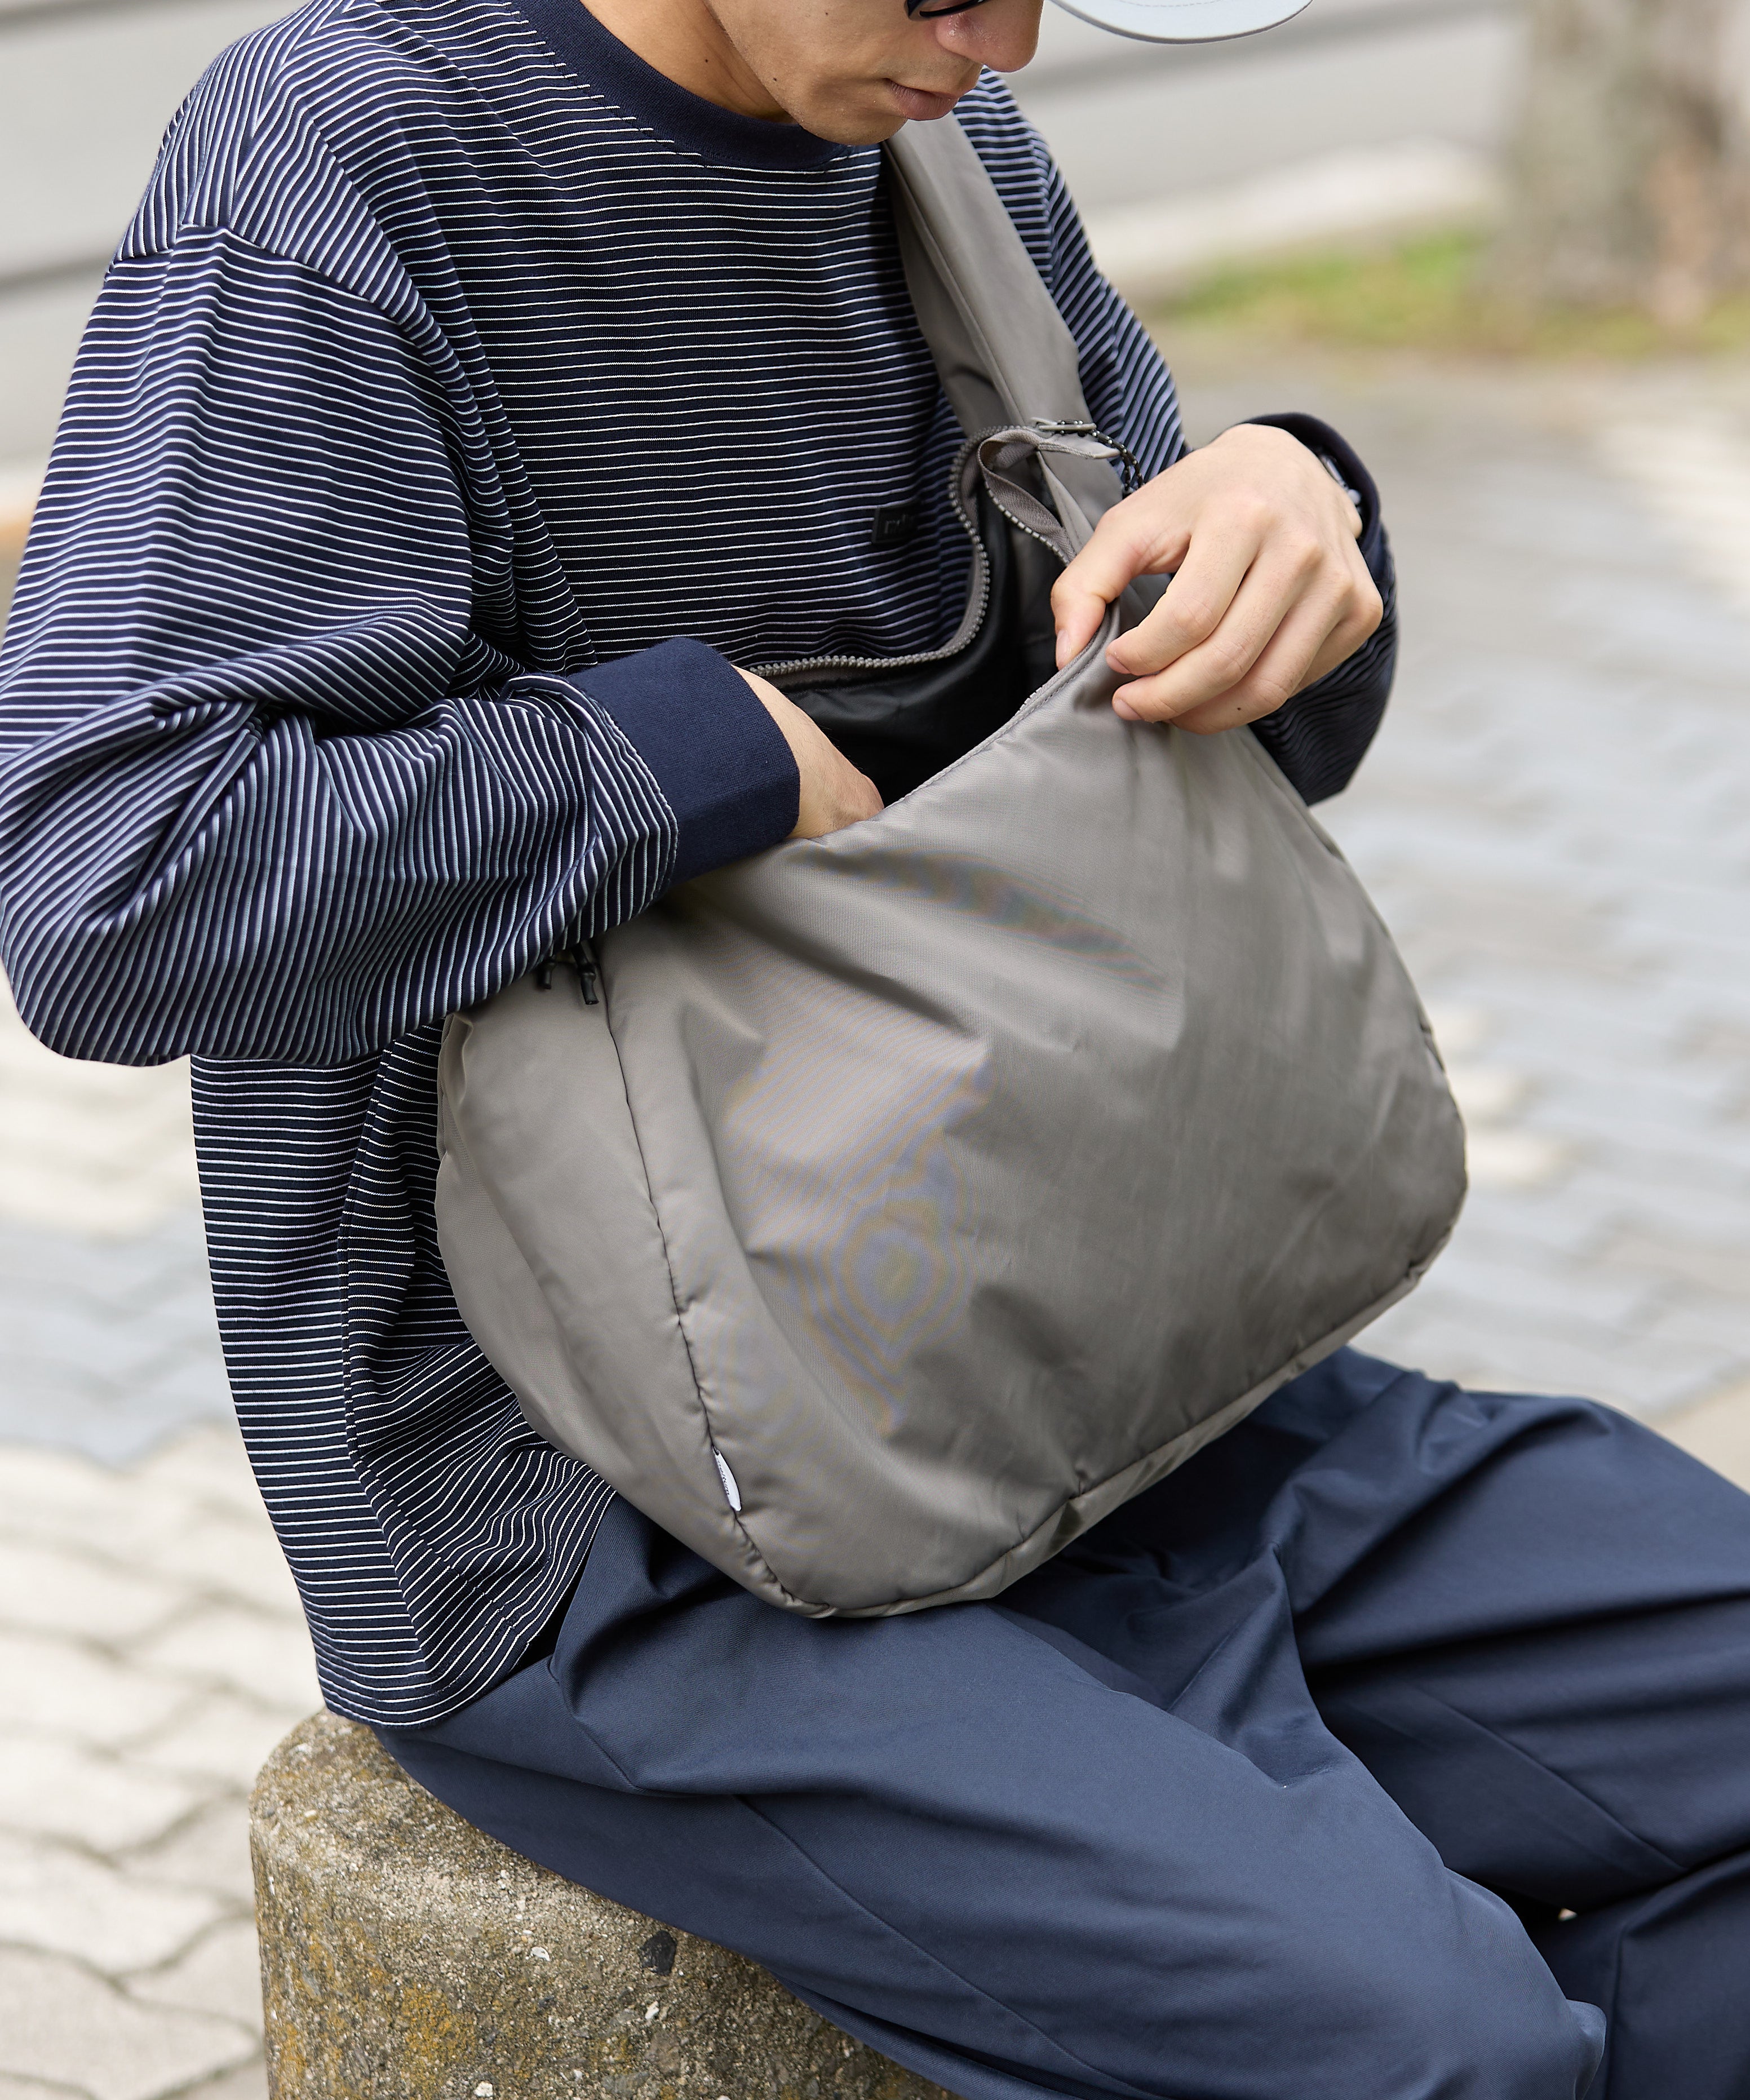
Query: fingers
<point x="1298" y="614"/>
<point x="1219" y="507"/>
<point x="832" y="792"/>
<point x="1282" y="670"/>
<point x="1131" y="539"/>
<point x="1368" y="609"/>
<point x="1208" y="653"/>
<point x="1218" y="603"/>
<point x="1269" y="588"/>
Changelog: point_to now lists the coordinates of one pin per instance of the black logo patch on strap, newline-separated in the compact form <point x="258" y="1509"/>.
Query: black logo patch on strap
<point x="895" y="525"/>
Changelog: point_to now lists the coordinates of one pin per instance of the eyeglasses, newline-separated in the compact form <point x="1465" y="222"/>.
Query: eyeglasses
<point x="921" y="10"/>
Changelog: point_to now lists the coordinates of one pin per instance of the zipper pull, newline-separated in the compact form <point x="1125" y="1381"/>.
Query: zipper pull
<point x="1130" y="476"/>
<point x="584" y="956"/>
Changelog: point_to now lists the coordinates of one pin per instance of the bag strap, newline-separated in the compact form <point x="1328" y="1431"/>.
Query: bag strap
<point x="1004" y="351"/>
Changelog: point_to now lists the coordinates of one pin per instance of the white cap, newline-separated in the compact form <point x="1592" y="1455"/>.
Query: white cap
<point x="1183" y="21"/>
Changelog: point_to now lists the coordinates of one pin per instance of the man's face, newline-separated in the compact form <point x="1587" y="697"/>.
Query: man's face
<point x="856" y="70"/>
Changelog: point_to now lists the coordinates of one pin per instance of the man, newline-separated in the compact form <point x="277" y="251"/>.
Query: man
<point x="463" y="355"/>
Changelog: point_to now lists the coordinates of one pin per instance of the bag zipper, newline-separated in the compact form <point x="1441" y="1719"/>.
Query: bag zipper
<point x="807" y="665"/>
<point x="1130" y="477"/>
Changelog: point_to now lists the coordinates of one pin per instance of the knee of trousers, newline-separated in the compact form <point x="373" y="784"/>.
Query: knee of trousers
<point x="1458" y="2007"/>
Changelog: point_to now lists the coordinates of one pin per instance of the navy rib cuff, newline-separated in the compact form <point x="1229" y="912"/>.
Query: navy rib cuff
<point x="720" y="760"/>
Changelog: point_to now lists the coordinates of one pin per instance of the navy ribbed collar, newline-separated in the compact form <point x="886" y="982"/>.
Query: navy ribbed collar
<point x="716" y="134"/>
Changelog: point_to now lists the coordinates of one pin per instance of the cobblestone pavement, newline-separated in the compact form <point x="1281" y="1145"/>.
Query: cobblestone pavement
<point x="1556" y="823"/>
<point x="152" y="1653"/>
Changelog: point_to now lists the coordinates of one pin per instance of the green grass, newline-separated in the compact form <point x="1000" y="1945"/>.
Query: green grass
<point x="1429" y="293"/>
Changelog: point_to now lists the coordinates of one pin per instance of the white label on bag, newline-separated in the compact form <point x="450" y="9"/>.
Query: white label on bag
<point x="729" y="1488"/>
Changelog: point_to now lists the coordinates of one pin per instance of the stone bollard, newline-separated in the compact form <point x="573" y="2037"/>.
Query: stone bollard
<point x="406" y="1956"/>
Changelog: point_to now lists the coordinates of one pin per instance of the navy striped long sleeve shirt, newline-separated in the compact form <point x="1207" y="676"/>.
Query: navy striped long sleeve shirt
<point x="454" y="364"/>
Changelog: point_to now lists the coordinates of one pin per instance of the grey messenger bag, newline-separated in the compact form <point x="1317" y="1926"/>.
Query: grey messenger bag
<point x="878" y="1213"/>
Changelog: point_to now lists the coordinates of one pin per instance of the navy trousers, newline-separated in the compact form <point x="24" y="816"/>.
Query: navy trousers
<point x="1397" y="1748"/>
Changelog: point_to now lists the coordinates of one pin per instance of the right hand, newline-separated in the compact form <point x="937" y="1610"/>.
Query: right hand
<point x="834" y="793"/>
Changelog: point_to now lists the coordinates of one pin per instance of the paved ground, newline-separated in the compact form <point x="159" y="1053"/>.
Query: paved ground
<point x="151" y="1654"/>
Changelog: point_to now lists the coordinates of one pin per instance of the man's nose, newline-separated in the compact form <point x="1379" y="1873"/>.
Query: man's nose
<point x="1003" y="34"/>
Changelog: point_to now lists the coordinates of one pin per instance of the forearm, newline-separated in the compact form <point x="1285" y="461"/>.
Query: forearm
<point x="271" y="783"/>
<point x="248" y="893"/>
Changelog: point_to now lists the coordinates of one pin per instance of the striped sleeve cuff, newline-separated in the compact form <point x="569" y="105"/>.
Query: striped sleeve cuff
<point x="720" y="760"/>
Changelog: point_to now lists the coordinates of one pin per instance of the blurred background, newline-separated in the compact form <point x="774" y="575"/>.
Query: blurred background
<point x="1504" y="245"/>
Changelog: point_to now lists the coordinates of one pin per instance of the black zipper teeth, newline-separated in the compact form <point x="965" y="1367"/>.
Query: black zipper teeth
<point x="969" y="525"/>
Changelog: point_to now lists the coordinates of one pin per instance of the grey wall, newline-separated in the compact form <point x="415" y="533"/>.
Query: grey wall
<point x="85" y="91"/>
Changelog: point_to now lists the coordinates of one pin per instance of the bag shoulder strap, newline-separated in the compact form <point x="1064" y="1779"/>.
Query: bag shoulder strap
<point x="1005" y="353"/>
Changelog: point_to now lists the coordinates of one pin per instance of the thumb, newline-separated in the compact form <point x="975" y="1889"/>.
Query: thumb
<point x="1077" y="609"/>
<point x="1098" y="574"/>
